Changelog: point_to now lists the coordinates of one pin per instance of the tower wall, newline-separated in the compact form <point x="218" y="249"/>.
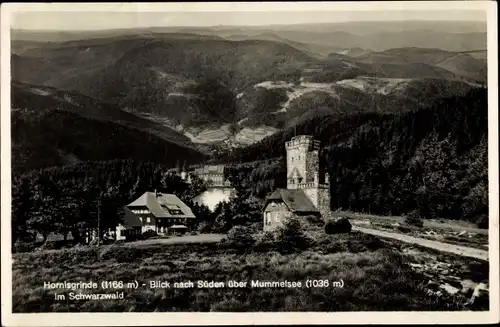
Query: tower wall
<point x="303" y="156"/>
<point x="324" y="201"/>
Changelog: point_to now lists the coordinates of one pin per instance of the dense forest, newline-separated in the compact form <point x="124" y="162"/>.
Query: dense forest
<point x="67" y="199"/>
<point x="433" y="160"/>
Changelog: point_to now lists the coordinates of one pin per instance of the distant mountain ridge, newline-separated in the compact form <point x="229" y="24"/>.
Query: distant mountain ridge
<point x="377" y="36"/>
<point x="210" y="90"/>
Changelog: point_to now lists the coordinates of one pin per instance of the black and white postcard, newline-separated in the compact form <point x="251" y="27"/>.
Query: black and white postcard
<point x="249" y="163"/>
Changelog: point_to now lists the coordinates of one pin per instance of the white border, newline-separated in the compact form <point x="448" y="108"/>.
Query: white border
<point x="125" y="319"/>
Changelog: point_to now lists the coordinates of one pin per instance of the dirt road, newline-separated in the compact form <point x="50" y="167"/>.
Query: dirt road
<point x="202" y="238"/>
<point x="444" y="247"/>
<point x="430" y="224"/>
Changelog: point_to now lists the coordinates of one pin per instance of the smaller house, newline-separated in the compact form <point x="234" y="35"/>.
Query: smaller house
<point x="284" y="203"/>
<point x="130" y="227"/>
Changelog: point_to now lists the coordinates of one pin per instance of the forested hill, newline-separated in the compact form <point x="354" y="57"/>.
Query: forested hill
<point x="51" y="127"/>
<point x="434" y="159"/>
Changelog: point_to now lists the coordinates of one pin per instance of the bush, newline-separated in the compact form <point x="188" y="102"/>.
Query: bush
<point x="49" y="245"/>
<point x="149" y="233"/>
<point x="204" y="227"/>
<point x="241" y="236"/>
<point x="119" y="253"/>
<point x="264" y="241"/>
<point x="21" y="246"/>
<point x="414" y="219"/>
<point x="482" y="222"/>
<point x="338" y="226"/>
<point x="290" y="237"/>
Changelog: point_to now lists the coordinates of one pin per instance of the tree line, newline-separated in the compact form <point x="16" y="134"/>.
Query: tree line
<point x="76" y="199"/>
<point x="68" y="198"/>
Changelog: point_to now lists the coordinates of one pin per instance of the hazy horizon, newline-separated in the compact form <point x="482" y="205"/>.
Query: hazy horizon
<point x="97" y="21"/>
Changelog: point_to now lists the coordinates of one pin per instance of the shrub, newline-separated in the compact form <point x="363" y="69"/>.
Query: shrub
<point x="241" y="236"/>
<point x="149" y="233"/>
<point x="290" y="237"/>
<point x="312" y="222"/>
<point x="338" y="226"/>
<point x="482" y="222"/>
<point x="414" y="219"/>
<point x="48" y="245"/>
<point x="22" y="246"/>
<point x="204" y="227"/>
<point x="264" y="241"/>
<point x="119" y="253"/>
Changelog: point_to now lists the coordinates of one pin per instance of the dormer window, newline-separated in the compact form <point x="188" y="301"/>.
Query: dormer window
<point x="172" y="209"/>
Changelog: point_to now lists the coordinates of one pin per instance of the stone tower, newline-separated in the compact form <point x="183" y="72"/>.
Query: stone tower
<point x="304" y="171"/>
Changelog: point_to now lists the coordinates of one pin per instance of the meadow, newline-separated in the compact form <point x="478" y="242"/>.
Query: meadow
<point x="374" y="277"/>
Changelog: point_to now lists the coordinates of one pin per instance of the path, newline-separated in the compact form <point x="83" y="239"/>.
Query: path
<point x="440" y="246"/>
<point x="201" y="238"/>
<point x="431" y="224"/>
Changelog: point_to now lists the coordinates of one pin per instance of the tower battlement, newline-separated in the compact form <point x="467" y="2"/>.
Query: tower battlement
<point x="303" y="141"/>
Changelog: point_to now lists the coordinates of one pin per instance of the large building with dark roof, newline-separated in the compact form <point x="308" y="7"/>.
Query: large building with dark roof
<point x="307" y="192"/>
<point x="163" y="213"/>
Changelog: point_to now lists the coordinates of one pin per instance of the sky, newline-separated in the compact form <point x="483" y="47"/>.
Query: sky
<point x="87" y="20"/>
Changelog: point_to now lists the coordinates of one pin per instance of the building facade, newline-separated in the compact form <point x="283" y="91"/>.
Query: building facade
<point x="213" y="175"/>
<point x="308" y="189"/>
<point x="162" y="213"/>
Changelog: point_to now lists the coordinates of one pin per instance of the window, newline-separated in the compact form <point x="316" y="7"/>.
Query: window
<point x="148" y="219"/>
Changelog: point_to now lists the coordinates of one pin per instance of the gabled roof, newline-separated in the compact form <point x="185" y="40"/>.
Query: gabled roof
<point x="154" y="203"/>
<point x="130" y="219"/>
<point x="295" y="200"/>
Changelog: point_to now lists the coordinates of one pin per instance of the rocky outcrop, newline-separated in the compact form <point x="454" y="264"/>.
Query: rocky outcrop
<point x="452" y="276"/>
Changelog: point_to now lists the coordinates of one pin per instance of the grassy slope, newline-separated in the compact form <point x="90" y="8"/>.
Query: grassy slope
<point x="374" y="278"/>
